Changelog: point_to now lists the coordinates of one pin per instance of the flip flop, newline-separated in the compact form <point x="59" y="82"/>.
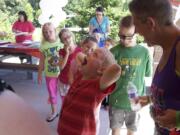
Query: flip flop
<point x="52" y="117"/>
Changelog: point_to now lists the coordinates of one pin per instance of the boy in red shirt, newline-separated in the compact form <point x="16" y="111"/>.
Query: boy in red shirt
<point x="80" y="110"/>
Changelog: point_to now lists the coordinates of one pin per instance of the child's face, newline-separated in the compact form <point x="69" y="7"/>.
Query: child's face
<point x="89" y="47"/>
<point x="108" y="45"/>
<point x="92" y="63"/>
<point x="49" y="33"/>
<point x="67" y="38"/>
<point x="127" y="36"/>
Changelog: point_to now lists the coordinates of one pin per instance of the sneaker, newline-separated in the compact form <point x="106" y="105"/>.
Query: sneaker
<point x="52" y="117"/>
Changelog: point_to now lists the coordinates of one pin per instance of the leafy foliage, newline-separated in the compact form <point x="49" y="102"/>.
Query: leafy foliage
<point x="83" y="10"/>
<point x="8" y="13"/>
<point x="79" y="12"/>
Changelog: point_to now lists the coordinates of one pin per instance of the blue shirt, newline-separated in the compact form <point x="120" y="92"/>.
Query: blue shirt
<point x="104" y="24"/>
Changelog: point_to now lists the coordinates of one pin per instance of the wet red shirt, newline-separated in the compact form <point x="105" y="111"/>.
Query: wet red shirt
<point x="81" y="106"/>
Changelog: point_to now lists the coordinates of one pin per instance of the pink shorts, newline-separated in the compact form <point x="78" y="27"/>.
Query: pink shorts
<point x="52" y="84"/>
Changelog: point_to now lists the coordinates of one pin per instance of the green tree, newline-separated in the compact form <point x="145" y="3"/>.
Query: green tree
<point x="36" y="11"/>
<point x="8" y="13"/>
<point x="83" y="10"/>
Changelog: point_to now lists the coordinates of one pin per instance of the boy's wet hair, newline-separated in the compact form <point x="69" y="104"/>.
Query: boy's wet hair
<point x="108" y="57"/>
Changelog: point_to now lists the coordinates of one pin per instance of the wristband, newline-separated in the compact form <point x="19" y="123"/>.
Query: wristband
<point x="178" y="119"/>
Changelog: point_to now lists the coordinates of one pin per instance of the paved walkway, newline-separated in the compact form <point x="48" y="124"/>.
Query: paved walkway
<point x="36" y="95"/>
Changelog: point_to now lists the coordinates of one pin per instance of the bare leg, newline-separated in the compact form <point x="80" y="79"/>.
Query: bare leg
<point x="54" y="108"/>
<point x="53" y="114"/>
<point x="62" y="99"/>
<point x="130" y="132"/>
<point x="116" y="131"/>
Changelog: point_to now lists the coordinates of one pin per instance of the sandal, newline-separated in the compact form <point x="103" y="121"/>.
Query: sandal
<point x="52" y="117"/>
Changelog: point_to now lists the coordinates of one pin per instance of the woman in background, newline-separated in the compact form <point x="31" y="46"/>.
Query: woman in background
<point x="23" y="28"/>
<point x="101" y="23"/>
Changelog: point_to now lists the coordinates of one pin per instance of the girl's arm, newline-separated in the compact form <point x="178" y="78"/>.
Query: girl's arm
<point x="110" y="76"/>
<point x="63" y="61"/>
<point x="70" y="75"/>
<point x="80" y="58"/>
<point x="41" y="67"/>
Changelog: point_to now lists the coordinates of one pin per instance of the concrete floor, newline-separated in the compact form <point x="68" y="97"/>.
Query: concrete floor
<point x="36" y="95"/>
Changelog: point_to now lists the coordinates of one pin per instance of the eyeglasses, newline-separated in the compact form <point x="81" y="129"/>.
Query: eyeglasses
<point x="126" y="37"/>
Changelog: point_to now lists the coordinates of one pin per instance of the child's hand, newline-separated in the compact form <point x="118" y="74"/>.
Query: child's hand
<point x="67" y="49"/>
<point x="39" y="79"/>
<point x="80" y="59"/>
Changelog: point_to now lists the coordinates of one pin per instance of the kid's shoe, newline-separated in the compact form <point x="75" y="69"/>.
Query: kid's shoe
<point x="52" y="117"/>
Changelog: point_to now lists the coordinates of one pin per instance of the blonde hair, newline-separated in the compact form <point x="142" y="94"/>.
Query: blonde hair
<point x="48" y="24"/>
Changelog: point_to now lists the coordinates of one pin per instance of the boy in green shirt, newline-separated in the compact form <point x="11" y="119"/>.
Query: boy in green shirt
<point x="136" y="64"/>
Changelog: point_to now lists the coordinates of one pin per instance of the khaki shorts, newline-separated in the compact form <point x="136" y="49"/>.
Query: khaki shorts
<point x="118" y="117"/>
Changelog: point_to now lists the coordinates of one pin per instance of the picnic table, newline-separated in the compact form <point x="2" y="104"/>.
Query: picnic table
<point x="27" y="50"/>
